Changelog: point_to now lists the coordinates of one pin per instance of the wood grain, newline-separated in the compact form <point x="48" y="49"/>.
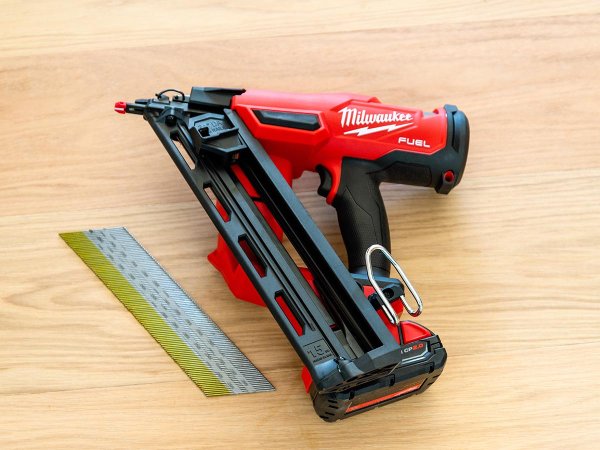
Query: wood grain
<point x="507" y="264"/>
<point x="45" y="27"/>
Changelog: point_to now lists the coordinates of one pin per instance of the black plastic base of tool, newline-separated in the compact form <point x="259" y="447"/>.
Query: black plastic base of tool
<point x="381" y="389"/>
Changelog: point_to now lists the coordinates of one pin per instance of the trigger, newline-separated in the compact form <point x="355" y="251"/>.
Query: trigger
<point x="326" y="181"/>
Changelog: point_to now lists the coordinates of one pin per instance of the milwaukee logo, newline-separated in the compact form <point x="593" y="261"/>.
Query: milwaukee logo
<point x="354" y="117"/>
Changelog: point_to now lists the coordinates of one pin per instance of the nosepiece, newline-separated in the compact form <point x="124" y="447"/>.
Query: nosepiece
<point x="120" y="107"/>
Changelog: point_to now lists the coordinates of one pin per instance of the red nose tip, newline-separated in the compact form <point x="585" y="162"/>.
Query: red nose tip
<point x="120" y="107"/>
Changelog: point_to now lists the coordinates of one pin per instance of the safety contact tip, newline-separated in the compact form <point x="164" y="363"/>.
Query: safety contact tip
<point x="120" y="107"/>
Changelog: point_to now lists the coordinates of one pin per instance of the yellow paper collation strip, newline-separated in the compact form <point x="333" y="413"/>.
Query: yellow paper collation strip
<point x="173" y="319"/>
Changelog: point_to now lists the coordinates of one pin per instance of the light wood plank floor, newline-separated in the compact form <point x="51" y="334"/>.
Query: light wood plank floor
<point x="507" y="264"/>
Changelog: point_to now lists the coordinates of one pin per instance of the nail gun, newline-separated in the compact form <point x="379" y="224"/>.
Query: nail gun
<point x="240" y="150"/>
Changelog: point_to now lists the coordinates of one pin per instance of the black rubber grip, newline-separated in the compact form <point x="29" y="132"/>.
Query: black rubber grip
<point x="362" y="217"/>
<point x="360" y="209"/>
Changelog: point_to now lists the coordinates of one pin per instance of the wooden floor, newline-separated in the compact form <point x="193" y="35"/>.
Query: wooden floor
<point x="508" y="264"/>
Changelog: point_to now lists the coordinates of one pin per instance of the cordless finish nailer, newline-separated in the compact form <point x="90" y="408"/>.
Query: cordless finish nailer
<point x="244" y="148"/>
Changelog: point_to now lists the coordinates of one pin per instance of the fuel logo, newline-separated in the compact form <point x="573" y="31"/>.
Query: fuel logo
<point x="414" y="142"/>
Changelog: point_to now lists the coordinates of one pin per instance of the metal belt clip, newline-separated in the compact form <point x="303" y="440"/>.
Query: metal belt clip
<point x="387" y="307"/>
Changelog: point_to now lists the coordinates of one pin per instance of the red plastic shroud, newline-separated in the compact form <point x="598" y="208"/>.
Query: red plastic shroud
<point x="353" y="126"/>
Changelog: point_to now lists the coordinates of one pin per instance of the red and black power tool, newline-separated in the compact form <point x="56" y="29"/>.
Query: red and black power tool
<point x="243" y="149"/>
